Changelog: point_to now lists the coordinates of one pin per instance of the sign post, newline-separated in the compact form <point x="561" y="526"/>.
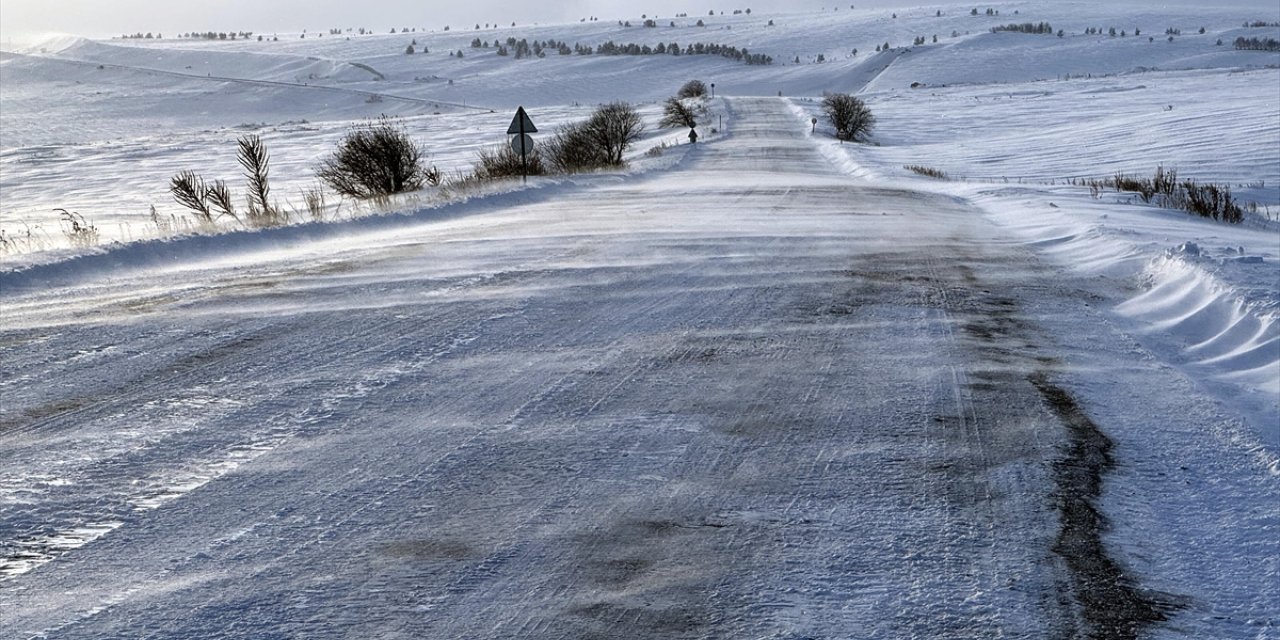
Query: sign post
<point x="520" y="127"/>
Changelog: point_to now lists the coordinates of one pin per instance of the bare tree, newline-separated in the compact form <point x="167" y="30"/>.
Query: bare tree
<point x="692" y="89"/>
<point x="675" y="113"/>
<point x="849" y="116"/>
<point x="614" y="127"/>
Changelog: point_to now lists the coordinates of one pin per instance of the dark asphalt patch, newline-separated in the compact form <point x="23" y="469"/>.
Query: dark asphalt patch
<point x="1113" y="606"/>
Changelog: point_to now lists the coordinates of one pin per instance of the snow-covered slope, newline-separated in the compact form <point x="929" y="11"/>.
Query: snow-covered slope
<point x="69" y="111"/>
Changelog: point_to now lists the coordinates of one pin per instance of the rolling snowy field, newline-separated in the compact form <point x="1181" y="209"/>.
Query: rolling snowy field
<point x="769" y="386"/>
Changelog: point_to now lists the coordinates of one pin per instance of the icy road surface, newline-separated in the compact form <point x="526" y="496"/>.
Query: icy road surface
<point x="745" y="398"/>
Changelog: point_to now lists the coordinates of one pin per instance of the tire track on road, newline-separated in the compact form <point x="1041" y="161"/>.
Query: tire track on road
<point x="1108" y="604"/>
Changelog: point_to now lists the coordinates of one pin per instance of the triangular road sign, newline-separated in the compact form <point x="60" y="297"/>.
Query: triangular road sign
<point x="521" y="124"/>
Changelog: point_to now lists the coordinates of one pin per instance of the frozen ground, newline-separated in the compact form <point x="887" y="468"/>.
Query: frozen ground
<point x="99" y="127"/>
<point x="772" y="386"/>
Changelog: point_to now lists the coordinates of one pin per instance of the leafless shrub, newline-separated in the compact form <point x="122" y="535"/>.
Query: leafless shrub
<point x="164" y="226"/>
<point x="460" y="183"/>
<point x="25" y="241"/>
<point x="313" y="199"/>
<point x="78" y="230"/>
<point x="375" y="160"/>
<point x="503" y="162"/>
<point x="571" y="150"/>
<point x="1165" y="190"/>
<point x="927" y="171"/>
<point x="1144" y="188"/>
<point x="657" y="151"/>
<point x="598" y="142"/>
<point x="1211" y="201"/>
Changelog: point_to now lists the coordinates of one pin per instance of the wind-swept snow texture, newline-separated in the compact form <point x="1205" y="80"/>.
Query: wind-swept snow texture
<point x="747" y="398"/>
<point x="99" y="127"/>
<point x="771" y="387"/>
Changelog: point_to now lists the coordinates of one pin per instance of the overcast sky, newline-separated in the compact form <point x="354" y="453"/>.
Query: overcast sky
<point x="97" y="18"/>
<point x="22" y="19"/>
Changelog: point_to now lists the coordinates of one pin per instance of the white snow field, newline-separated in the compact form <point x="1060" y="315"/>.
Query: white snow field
<point x="767" y="386"/>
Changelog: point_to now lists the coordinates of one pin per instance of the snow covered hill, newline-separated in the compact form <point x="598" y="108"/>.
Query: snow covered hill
<point x="99" y="127"/>
<point x="766" y="386"/>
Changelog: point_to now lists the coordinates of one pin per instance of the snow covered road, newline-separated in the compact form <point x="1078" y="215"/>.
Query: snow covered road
<point x="747" y="398"/>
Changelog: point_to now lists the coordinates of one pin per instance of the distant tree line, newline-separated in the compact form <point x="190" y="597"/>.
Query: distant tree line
<point x="1111" y="31"/>
<point x="217" y="35"/>
<point x="1257" y="44"/>
<point x="1026" y="27"/>
<point x="523" y="48"/>
<point x="611" y="48"/>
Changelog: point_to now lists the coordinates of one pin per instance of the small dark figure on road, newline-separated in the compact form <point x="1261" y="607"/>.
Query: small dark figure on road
<point x="693" y="136"/>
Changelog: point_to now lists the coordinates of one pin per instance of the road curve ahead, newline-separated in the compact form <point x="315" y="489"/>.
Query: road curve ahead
<point x="745" y="398"/>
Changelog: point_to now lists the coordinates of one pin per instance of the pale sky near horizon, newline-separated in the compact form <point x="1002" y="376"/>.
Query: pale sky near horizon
<point x="95" y="18"/>
<point x="29" y="19"/>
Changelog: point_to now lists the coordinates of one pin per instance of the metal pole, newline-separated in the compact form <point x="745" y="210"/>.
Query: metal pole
<point x="524" y="162"/>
